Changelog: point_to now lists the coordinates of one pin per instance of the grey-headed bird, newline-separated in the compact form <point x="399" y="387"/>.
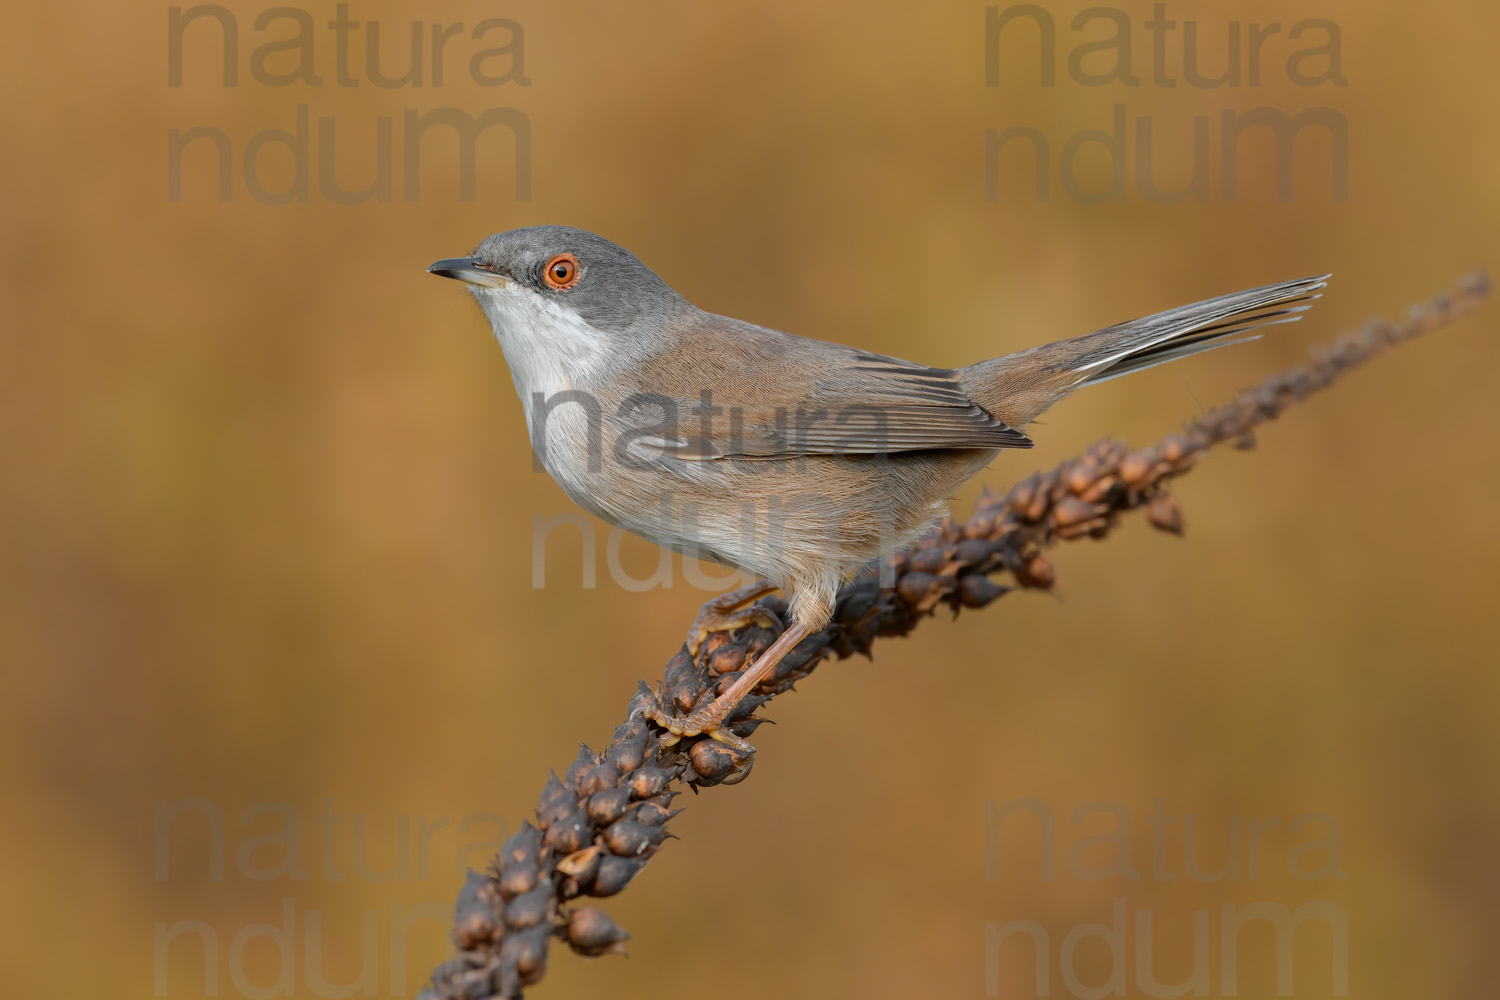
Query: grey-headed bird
<point x="796" y="460"/>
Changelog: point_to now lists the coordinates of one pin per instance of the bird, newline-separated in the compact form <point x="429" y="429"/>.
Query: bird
<point x="796" y="460"/>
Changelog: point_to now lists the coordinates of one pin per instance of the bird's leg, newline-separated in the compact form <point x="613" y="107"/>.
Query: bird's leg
<point x="709" y="719"/>
<point x="727" y="612"/>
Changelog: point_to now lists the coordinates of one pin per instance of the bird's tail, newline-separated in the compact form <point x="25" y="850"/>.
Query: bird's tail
<point x="1018" y="387"/>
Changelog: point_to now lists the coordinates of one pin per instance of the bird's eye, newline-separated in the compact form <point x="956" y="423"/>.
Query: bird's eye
<point x="561" y="271"/>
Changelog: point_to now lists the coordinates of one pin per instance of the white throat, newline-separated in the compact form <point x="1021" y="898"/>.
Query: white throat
<point x="548" y="349"/>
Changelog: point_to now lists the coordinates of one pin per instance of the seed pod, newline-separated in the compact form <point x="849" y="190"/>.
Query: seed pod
<point x="597" y="779"/>
<point x="1037" y="573"/>
<point x="981" y="525"/>
<point x="1164" y="513"/>
<point x="627" y="751"/>
<point x="928" y="560"/>
<point x="586" y="762"/>
<point x="550" y="794"/>
<point x="1022" y="494"/>
<point x="519" y="878"/>
<point x="975" y="590"/>
<point x="570" y="833"/>
<point x="857" y="600"/>
<point x="474" y="916"/>
<point x="591" y="932"/>
<point x="558" y="807"/>
<point x="914" y="587"/>
<point x="527" y="953"/>
<point x="609" y="805"/>
<point x="1081" y="476"/>
<point x="1073" y="510"/>
<point x="713" y="761"/>
<point x="648" y="782"/>
<point x="1135" y="467"/>
<point x="652" y="813"/>
<point x="726" y="661"/>
<point x="630" y="839"/>
<point x="974" y="551"/>
<point x="614" y="874"/>
<point x="581" y="865"/>
<point x="530" y="908"/>
<point x="523" y="846"/>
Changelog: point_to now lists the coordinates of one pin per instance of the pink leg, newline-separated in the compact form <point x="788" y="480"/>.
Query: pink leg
<point x="710" y="718"/>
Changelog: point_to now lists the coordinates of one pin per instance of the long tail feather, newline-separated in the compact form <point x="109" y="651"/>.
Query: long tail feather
<point x="1020" y="386"/>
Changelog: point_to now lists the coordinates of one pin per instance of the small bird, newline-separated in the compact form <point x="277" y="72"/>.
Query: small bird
<point x="796" y="460"/>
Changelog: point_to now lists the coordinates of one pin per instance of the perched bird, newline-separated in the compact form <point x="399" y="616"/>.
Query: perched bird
<point x="797" y="460"/>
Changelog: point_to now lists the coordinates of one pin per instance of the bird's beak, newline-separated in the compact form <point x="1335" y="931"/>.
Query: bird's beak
<point x="467" y="269"/>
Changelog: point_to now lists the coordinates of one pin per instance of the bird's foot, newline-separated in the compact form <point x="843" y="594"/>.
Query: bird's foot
<point x="707" y="720"/>
<point x="727" y="612"/>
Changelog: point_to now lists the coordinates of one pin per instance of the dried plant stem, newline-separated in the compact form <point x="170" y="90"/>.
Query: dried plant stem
<point x="598" y="825"/>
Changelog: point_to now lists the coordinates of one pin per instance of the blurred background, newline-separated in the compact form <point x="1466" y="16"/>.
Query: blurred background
<point x="272" y="650"/>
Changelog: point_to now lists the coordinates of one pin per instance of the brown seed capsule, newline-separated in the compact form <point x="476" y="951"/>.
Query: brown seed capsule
<point x="557" y="808"/>
<point x="474" y="920"/>
<point x="523" y="846"/>
<point x="928" y="560"/>
<point x="609" y="805"/>
<point x="726" y="661"/>
<point x="585" y="763"/>
<point x="974" y="551"/>
<point x="627" y="751"/>
<point x="914" y="587"/>
<point x="569" y="834"/>
<point x="528" y="953"/>
<point x="1022" y="494"/>
<point x="591" y="932"/>
<point x="975" y="590"/>
<point x="714" y="761"/>
<point x="519" y="878"/>
<point x="614" y="874"/>
<point x="648" y="782"/>
<point x="529" y="908"/>
<point x="1037" y="573"/>
<point x="1165" y="513"/>
<point x="581" y="865"/>
<point x="630" y="839"/>
<point x="1074" y="510"/>
<point x="550" y="794"/>
<point x="597" y="779"/>
<point x="473" y="930"/>
<point x="651" y="813"/>
<point x="1081" y="476"/>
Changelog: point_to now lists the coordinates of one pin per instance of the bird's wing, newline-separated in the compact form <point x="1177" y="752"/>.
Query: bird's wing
<point x="775" y="396"/>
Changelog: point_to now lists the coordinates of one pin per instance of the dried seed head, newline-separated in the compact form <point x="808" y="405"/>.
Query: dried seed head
<point x="519" y="878"/>
<point x="569" y="834"/>
<point x="614" y="874"/>
<point x="1165" y="513"/>
<point x="524" y="846"/>
<point x="1074" y="510"/>
<point x="975" y="590"/>
<point x="585" y="762"/>
<point x="597" y="779"/>
<point x="648" y="782"/>
<point x="1038" y="573"/>
<point x="1135" y="467"/>
<point x="581" y="865"/>
<point x="591" y="932"/>
<point x="630" y="839"/>
<point x="609" y="805"/>
<point x="713" y="761"/>
<point x="530" y="908"/>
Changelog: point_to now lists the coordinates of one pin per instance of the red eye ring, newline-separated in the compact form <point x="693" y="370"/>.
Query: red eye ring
<point x="561" y="272"/>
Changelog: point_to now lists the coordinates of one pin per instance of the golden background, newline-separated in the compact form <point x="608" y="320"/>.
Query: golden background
<point x="267" y="505"/>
